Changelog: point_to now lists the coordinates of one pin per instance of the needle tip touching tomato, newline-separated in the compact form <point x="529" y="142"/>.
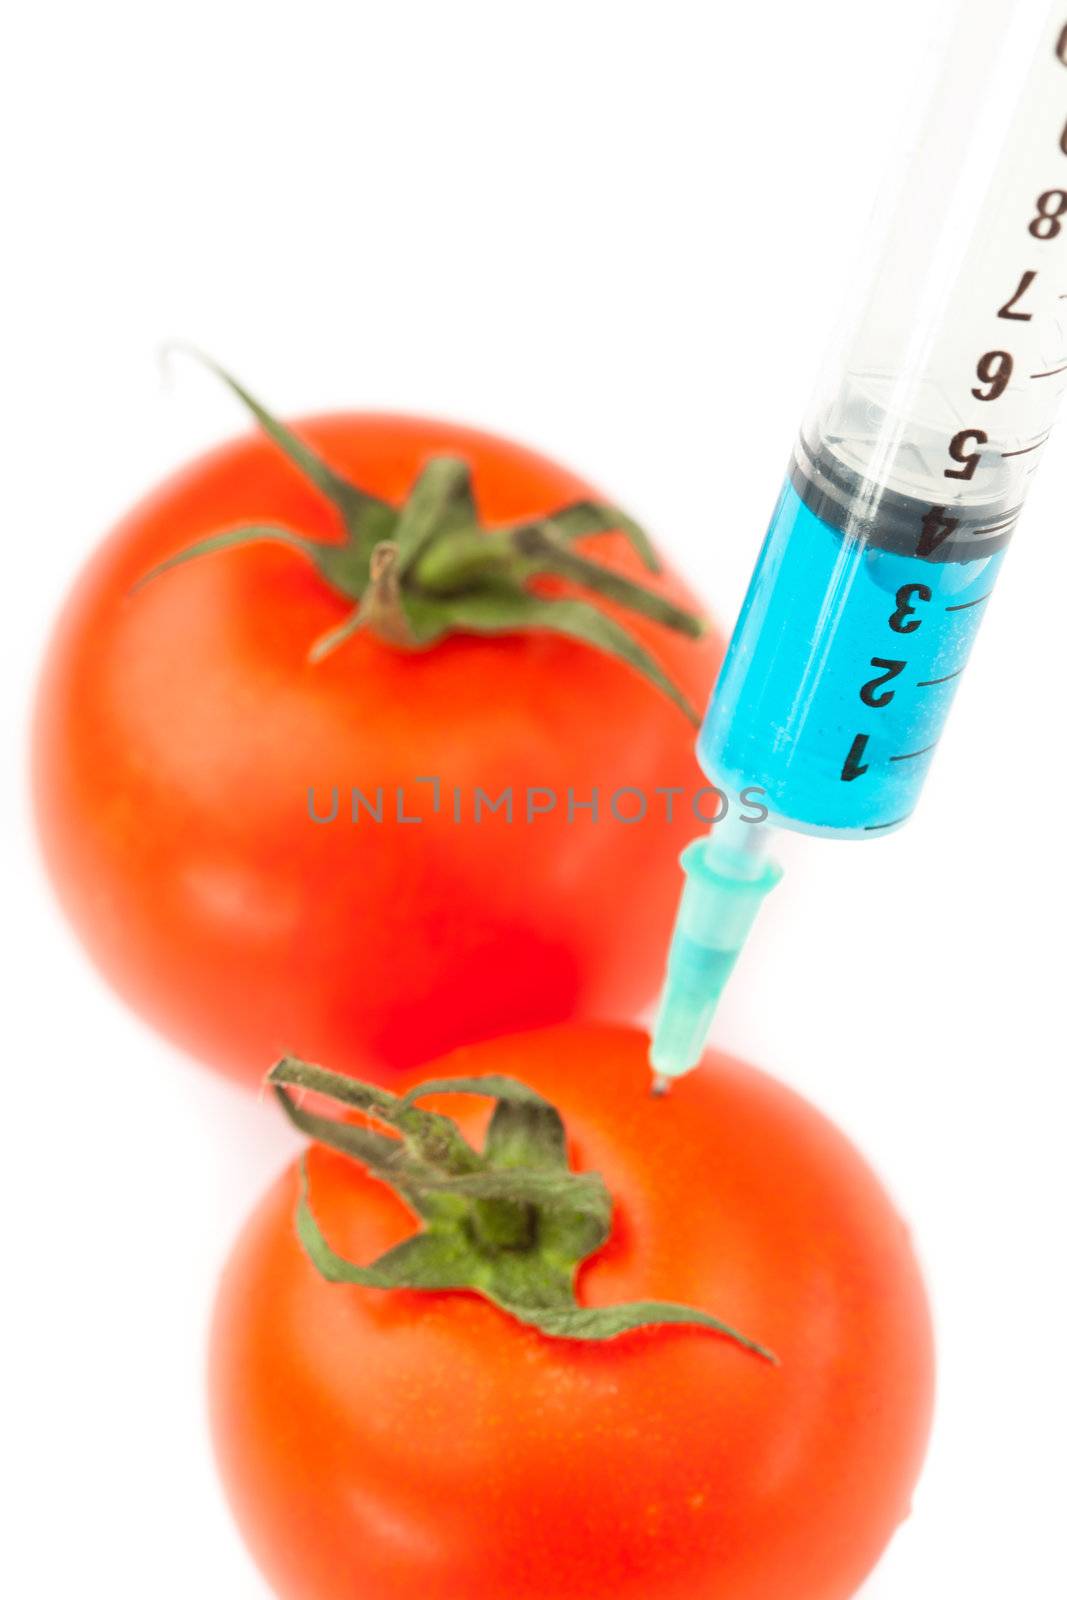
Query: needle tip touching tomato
<point x="402" y="1443"/>
<point x="271" y="781"/>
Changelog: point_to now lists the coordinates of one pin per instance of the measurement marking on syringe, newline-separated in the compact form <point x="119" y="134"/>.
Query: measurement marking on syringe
<point x="1051" y="373"/>
<point x="967" y="604"/>
<point x="928" y="683"/>
<point x="995" y="527"/>
<point x="873" y="827"/>
<point x="911" y="754"/>
<point x="1005" y="454"/>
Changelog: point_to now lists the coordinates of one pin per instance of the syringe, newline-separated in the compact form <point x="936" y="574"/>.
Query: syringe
<point x="905" y="486"/>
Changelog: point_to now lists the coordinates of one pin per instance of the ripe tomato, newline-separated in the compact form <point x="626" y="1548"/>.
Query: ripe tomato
<point x="183" y="739"/>
<point x="403" y="1445"/>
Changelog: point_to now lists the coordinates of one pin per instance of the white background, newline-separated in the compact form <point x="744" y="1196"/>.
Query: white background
<point x="620" y="233"/>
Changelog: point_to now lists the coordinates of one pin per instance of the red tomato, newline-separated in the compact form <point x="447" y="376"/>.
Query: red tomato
<point x="181" y="727"/>
<point x="410" y="1446"/>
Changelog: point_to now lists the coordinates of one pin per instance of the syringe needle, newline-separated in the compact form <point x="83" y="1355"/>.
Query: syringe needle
<point x="727" y="878"/>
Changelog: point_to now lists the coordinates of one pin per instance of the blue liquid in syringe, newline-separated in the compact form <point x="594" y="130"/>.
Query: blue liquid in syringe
<point x="848" y="651"/>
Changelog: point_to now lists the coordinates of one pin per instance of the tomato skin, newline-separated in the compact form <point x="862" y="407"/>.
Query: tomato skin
<point x="180" y="728"/>
<point x="401" y="1445"/>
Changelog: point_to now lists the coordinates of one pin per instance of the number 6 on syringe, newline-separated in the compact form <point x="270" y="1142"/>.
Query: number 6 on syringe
<point x="995" y="369"/>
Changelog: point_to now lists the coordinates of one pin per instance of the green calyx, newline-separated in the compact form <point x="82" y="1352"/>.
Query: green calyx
<point x="512" y="1222"/>
<point x="428" y="567"/>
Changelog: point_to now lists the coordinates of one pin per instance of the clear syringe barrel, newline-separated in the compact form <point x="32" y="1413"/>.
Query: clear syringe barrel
<point x="910" y="472"/>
